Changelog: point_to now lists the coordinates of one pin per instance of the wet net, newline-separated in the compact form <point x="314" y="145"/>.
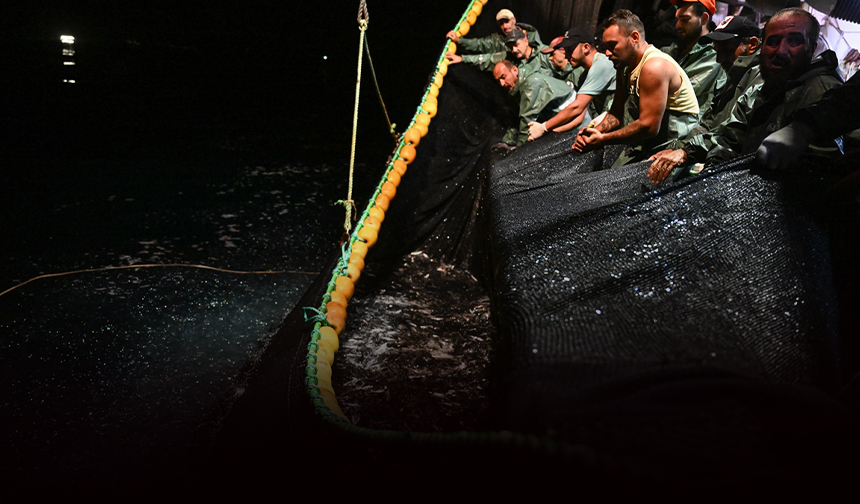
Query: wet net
<point x="700" y="328"/>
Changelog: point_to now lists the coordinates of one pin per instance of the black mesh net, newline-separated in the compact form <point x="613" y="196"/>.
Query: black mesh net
<point x="701" y="328"/>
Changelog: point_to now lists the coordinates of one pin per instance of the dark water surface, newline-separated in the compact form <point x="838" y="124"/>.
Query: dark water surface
<point x="111" y="370"/>
<point x="195" y="134"/>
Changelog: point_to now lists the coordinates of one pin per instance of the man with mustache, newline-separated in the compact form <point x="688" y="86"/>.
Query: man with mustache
<point x="792" y="80"/>
<point x="491" y="49"/>
<point x="527" y="55"/>
<point x="540" y="97"/>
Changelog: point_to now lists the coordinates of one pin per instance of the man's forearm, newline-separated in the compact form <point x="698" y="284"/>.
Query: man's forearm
<point x="568" y="113"/>
<point x="609" y="123"/>
<point x="630" y="134"/>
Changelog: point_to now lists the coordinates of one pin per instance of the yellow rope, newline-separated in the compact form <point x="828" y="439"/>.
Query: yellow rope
<point x="132" y="266"/>
<point x="349" y="204"/>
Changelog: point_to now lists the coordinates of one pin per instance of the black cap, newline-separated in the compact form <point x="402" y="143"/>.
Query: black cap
<point x="516" y="34"/>
<point x="575" y="36"/>
<point x="733" y="27"/>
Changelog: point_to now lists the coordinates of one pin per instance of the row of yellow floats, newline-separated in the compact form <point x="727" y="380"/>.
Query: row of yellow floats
<point x="324" y="337"/>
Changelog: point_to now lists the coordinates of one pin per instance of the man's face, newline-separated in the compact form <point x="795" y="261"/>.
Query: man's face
<point x="728" y="51"/>
<point x="558" y="59"/>
<point x="785" y="52"/>
<point x="507" y="77"/>
<point x="577" y="55"/>
<point x="506" y="25"/>
<point x="688" y="24"/>
<point x="519" y="48"/>
<point x="617" y="45"/>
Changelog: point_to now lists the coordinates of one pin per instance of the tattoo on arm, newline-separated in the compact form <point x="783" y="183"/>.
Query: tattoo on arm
<point x="609" y="123"/>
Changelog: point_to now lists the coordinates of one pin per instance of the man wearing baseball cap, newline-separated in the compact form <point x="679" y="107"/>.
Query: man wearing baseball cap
<point x="487" y="51"/>
<point x="561" y="67"/>
<point x="736" y="36"/>
<point x="527" y="55"/>
<point x="699" y="61"/>
<point x="595" y="88"/>
<point x="737" y="42"/>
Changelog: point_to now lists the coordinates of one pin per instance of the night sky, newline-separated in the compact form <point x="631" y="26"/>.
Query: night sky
<point x="274" y="77"/>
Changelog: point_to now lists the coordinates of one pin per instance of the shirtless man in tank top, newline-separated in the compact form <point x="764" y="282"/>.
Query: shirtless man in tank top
<point x="654" y="104"/>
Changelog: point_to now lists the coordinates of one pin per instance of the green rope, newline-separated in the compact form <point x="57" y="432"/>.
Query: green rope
<point x="319" y="317"/>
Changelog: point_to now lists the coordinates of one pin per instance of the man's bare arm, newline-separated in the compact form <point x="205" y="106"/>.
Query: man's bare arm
<point x="654" y="83"/>
<point x="570" y="112"/>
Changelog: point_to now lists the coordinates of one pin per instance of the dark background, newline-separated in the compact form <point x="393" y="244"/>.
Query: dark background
<point x="175" y="77"/>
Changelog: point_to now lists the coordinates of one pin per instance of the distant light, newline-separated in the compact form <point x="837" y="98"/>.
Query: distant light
<point x="67" y="39"/>
<point x="70" y="81"/>
<point x="69" y="63"/>
<point x="68" y="52"/>
<point x="325" y="57"/>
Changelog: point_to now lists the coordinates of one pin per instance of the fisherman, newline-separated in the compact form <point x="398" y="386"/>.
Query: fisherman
<point x="528" y="55"/>
<point x="698" y="60"/>
<point x="736" y="41"/>
<point x="595" y="88"/>
<point x="792" y="80"/>
<point x="490" y="49"/>
<point x="837" y="113"/>
<point x="539" y="95"/>
<point x="654" y="105"/>
<point x="562" y="68"/>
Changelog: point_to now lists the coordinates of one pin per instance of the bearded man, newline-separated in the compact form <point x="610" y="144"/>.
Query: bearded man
<point x="699" y="61"/>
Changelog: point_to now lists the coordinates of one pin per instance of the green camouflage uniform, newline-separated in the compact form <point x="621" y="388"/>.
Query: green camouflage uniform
<point x="570" y="74"/>
<point x="496" y="42"/>
<point x="744" y="79"/>
<point x="540" y="97"/>
<point x="492" y="49"/>
<point x="758" y="113"/>
<point x="700" y="65"/>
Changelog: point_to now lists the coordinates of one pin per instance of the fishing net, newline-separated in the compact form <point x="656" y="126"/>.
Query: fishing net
<point x="700" y="328"/>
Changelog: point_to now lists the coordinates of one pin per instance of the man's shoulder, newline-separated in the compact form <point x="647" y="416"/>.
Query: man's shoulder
<point x="657" y="62"/>
<point x="602" y="65"/>
<point x="823" y="67"/>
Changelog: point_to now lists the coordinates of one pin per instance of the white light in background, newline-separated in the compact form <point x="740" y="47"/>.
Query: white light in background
<point x="67" y="39"/>
<point x="325" y="57"/>
<point x="68" y="63"/>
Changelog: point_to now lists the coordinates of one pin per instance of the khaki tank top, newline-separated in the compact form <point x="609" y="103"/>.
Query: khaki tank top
<point x="682" y="100"/>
